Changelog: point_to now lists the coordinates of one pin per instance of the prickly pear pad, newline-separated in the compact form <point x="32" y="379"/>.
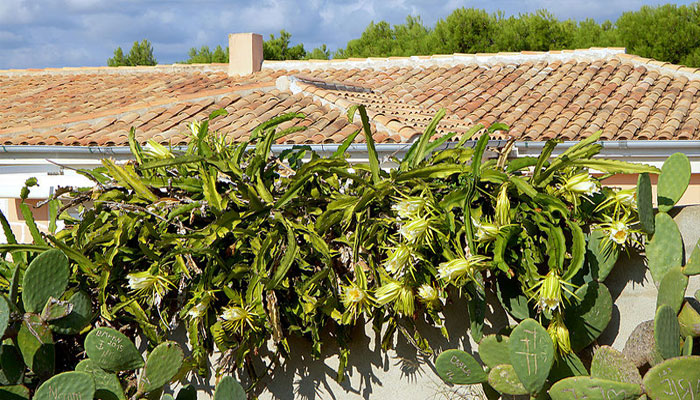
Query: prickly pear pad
<point x="531" y="354"/>
<point x="161" y="366"/>
<point x="46" y="276"/>
<point x="583" y="387"/>
<point x="229" y="389"/>
<point x="674" y="378"/>
<point x="459" y="367"/>
<point x="67" y="385"/>
<point x="111" y="350"/>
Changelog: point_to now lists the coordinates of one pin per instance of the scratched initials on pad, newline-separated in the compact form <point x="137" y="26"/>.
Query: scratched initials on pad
<point x="529" y="353"/>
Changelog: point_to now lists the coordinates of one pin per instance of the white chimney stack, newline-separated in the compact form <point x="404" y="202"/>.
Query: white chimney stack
<point x="245" y="53"/>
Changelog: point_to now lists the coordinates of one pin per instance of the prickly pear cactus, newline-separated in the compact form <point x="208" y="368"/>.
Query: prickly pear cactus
<point x="665" y="249"/>
<point x="80" y="316"/>
<point x="610" y="364"/>
<point x="689" y="321"/>
<point x="161" y="366"/>
<point x="672" y="289"/>
<point x="673" y="181"/>
<point x="687" y="346"/>
<point x="35" y="343"/>
<point x="67" y="385"/>
<point x="692" y="267"/>
<point x="582" y="387"/>
<point x="55" y="309"/>
<point x="531" y="353"/>
<point x="589" y="314"/>
<point x="645" y="209"/>
<point x="11" y="365"/>
<point x="493" y="350"/>
<point x="667" y="332"/>
<point x="674" y="379"/>
<point x="14" y="392"/>
<point x="45" y="277"/>
<point x="600" y="258"/>
<point x="459" y="367"/>
<point x="504" y="379"/>
<point x="167" y="397"/>
<point x="111" y="350"/>
<point x="107" y="386"/>
<point x="229" y="389"/>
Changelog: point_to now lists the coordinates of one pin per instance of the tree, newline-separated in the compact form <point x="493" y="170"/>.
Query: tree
<point x="319" y="53"/>
<point x="466" y="30"/>
<point x="206" y="56"/>
<point x="540" y="31"/>
<point x="140" y="54"/>
<point x="278" y="48"/>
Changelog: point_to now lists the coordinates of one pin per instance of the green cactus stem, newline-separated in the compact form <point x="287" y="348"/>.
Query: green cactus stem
<point x="79" y="317"/>
<point x="665" y="249"/>
<point x="692" y="267"/>
<point x="645" y="208"/>
<point x="673" y="181"/>
<point x="674" y="379"/>
<point x="601" y="258"/>
<point x="229" y="389"/>
<point x="107" y="386"/>
<point x="504" y="380"/>
<point x="687" y="346"/>
<point x="5" y="310"/>
<point x="493" y="350"/>
<point x="67" y="385"/>
<point x="187" y="393"/>
<point x="459" y="367"/>
<point x="55" y="309"/>
<point x="161" y="366"/>
<point x="531" y="353"/>
<point x="672" y="289"/>
<point x="11" y="365"/>
<point x="583" y="387"/>
<point x="610" y="364"/>
<point x="667" y="332"/>
<point x="111" y="350"/>
<point x="689" y="320"/>
<point x="589" y="314"/>
<point x="14" y="392"/>
<point x="46" y="276"/>
<point x="35" y="343"/>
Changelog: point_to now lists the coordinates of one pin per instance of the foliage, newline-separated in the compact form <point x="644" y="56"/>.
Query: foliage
<point x="140" y="54"/>
<point x="565" y="375"/>
<point x="206" y="56"/>
<point x="277" y="48"/>
<point x="243" y="248"/>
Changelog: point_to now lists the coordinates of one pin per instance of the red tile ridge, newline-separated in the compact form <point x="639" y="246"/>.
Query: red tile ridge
<point x="214" y="67"/>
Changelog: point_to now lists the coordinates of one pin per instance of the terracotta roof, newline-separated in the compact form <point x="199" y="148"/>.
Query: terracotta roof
<point x="564" y="94"/>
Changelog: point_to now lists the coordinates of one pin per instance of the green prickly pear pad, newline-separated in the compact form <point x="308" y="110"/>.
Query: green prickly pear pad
<point x="493" y="350"/>
<point x="107" y="386"/>
<point x="676" y="378"/>
<point x="161" y="366"/>
<point x="229" y="389"/>
<point x="67" y="385"/>
<point x="504" y="379"/>
<point x="531" y="354"/>
<point x="459" y="367"/>
<point x="112" y="350"/>
<point x="583" y="387"/>
<point x="46" y="276"/>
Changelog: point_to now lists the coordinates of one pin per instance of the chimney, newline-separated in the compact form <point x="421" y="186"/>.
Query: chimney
<point x="245" y="53"/>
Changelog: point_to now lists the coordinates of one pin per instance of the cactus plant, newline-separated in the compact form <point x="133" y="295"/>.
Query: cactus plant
<point x="46" y="276"/>
<point x="35" y="343"/>
<point x="667" y="333"/>
<point x="610" y="364"/>
<point x="531" y="353"/>
<point x="112" y="350"/>
<point x="459" y="367"/>
<point x="67" y="385"/>
<point x="493" y="350"/>
<point x="644" y="205"/>
<point x="504" y="379"/>
<point x="600" y="258"/>
<point x="4" y="315"/>
<point x="582" y="387"/>
<point x="14" y="392"/>
<point x="107" y="386"/>
<point x="674" y="378"/>
<point x="80" y="316"/>
<point x="161" y="366"/>
<point x="11" y="365"/>
<point x="672" y="289"/>
<point x="689" y="321"/>
<point x="229" y="389"/>
<point x="687" y="346"/>
<point x="665" y="249"/>
<point x="589" y="314"/>
<point x="673" y="181"/>
<point x="692" y="267"/>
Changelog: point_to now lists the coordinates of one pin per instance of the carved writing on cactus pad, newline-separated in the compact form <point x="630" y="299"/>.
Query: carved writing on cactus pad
<point x="55" y="394"/>
<point x="679" y="388"/>
<point x="529" y="353"/>
<point x="109" y="340"/>
<point x="459" y="364"/>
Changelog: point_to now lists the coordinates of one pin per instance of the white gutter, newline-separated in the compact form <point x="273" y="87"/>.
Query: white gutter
<point x="17" y="163"/>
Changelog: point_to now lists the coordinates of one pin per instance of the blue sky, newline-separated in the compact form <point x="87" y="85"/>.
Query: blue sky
<point x="58" y="33"/>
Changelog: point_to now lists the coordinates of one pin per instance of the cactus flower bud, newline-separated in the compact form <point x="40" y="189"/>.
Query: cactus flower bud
<point x="486" y="231"/>
<point x="503" y="206"/>
<point x="559" y="334"/>
<point x="415" y="230"/>
<point x="458" y="269"/>
<point x="581" y="183"/>
<point x="549" y="294"/>
<point x="409" y="207"/>
<point x="399" y="258"/>
<point x="427" y="294"/>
